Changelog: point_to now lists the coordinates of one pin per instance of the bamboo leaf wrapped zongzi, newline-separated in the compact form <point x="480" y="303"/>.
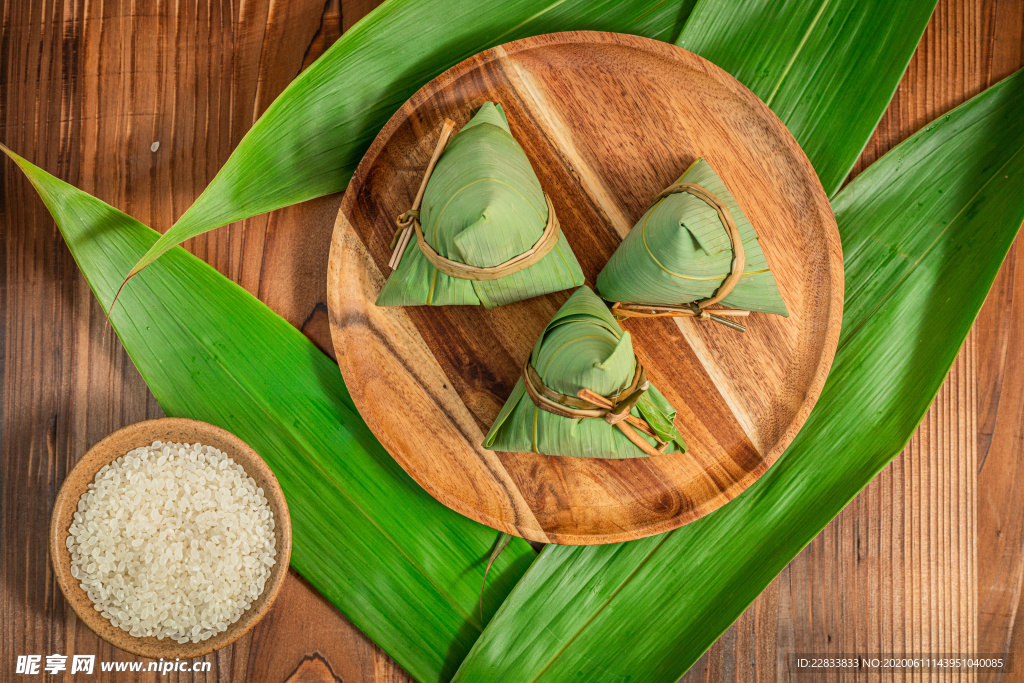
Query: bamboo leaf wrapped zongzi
<point x="485" y="233"/>
<point x="584" y="393"/>
<point x="682" y="255"/>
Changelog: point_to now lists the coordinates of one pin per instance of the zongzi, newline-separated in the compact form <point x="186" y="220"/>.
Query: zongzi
<point x="693" y="247"/>
<point x="485" y="233"/>
<point x="583" y="393"/>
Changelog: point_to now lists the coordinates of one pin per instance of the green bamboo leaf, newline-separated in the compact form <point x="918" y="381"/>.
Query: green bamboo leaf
<point x="827" y="68"/>
<point x="310" y="139"/>
<point x="406" y="570"/>
<point x="924" y="231"/>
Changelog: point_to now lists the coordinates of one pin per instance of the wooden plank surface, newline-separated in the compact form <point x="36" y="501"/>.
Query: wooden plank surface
<point x="87" y="87"/>
<point x="1000" y="334"/>
<point x="914" y="562"/>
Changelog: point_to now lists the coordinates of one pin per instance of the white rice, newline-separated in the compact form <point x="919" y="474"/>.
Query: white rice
<point x="173" y="541"/>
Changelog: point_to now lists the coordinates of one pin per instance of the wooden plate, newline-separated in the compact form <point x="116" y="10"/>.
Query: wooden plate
<point x="174" y="430"/>
<point x="608" y="121"/>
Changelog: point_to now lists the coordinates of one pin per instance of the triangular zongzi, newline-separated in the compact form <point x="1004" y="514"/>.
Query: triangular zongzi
<point x="619" y="413"/>
<point x="680" y="252"/>
<point x="482" y="227"/>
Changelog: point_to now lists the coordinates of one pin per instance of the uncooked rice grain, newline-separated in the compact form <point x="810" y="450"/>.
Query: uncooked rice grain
<point x="173" y="541"/>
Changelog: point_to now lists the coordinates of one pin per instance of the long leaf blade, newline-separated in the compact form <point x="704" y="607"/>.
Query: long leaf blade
<point x="403" y="568"/>
<point x="924" y="232"/>
<point x="309" y="141"/>
<point x="827" y="68"/>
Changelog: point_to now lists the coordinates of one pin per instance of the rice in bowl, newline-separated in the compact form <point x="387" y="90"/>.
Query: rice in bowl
<point x="172" y="541"/>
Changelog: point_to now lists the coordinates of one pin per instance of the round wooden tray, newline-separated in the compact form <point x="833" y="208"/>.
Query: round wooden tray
<point x="608" y="121"/>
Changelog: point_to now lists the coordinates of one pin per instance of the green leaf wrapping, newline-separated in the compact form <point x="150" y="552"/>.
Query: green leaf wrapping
<point x="483" y="206"/>
<point x="924" y="231"/>
<point x="582" y="347"/>
<point x="827" y="68"/>
<point x="679" y="251"/>
<point x="310" y="139"/>
<point x="405" y="569"/>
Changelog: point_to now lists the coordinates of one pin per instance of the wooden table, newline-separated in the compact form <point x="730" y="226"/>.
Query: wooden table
<point x="929" y="558"/>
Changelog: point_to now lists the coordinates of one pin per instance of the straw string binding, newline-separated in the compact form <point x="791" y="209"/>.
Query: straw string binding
<point x="698" y="309"/>
<point x="614" y="410"/>
<point x="409" y="223"/>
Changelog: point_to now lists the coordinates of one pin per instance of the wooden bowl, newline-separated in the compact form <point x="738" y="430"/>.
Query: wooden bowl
<point x="177" y="430"/>
<point x="608" y="121"/>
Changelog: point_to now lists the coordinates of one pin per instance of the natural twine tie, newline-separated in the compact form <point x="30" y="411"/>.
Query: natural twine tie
<point x="697" y="309"/>
<point x="614" y="410"/>
<point x="409" y="222"/>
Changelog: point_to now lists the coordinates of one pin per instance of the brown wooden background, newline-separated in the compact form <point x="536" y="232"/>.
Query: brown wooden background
<point x="929" y="558"/>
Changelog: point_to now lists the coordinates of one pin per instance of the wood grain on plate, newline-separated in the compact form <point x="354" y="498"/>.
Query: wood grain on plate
<point x="608" y="121"/>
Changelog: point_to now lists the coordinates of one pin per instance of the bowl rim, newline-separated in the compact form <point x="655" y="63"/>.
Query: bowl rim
<point x="106" y="451"/>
